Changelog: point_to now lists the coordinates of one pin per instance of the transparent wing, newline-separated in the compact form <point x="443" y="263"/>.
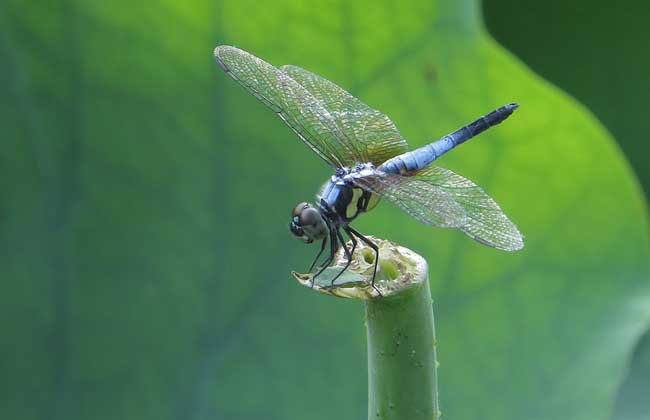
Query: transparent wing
<point x="298" y="108"/>
<point x="486" y="222"/>
<point x="372" y="132"/>
<point x="426" y="202"/>
<point x="483" y="220"/>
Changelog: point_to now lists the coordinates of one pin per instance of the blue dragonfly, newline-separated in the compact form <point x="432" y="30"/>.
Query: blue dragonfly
<point x="371" y="160"/>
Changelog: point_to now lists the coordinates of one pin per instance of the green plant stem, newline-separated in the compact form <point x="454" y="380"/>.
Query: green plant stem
<point x="401" y="355"/>
<point x="401" y="341"/>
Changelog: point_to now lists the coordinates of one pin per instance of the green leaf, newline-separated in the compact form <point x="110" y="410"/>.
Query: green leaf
<point x="144" y="203"/>
<point x="591" y="50"/>
<point x="632" y="399"/>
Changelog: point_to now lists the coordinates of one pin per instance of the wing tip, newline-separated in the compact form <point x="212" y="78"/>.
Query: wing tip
<point x="220" y="48"/>
<point x="516" y="245"/>
<point x="218" y="56"/>
<point x="512" y="242"/>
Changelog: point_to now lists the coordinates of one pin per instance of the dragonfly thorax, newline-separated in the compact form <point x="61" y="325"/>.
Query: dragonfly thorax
<point x="342" y="200"/>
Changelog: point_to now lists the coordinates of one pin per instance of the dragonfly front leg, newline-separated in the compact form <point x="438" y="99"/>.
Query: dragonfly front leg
<point x="333" y="248"/>
<point x="348" y="253"/>
<point x="372" y="245"/>
<point x="322" y="248"/>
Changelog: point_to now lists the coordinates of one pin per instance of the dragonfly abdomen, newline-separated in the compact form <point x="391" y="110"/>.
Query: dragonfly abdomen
<point x="420" y="158"/>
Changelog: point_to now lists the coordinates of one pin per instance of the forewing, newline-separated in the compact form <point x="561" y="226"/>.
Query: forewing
<point x="298" y="108"/>
<point x="486" y="222"/>
<point x="424" y="201"/>
<point x="373" y="133"/>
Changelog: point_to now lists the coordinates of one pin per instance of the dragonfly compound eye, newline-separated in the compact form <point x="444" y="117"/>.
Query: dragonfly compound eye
<point x="295" y="229"/>
<point x="298" y="209"/>
<point x="309" y="217"/>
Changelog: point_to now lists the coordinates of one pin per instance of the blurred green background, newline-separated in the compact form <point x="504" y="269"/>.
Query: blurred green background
<point x="594" y="51"/>
<point x="144" y="202"/>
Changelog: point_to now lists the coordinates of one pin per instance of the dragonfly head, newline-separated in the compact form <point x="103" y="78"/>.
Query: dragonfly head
<point x="307" y="223"/>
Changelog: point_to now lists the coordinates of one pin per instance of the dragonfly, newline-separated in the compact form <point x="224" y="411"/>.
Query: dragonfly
<point x="371" y="161"/>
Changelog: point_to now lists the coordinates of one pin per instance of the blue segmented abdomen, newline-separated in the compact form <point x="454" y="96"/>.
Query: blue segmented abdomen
<point x="420" y="158"/>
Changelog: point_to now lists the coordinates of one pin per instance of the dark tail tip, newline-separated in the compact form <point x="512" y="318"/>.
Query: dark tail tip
<point x="500" y="114"/>
<point x="511" y="107"/>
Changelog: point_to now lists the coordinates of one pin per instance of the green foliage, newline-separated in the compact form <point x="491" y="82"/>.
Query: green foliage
<point x="591" y="50"/>
<point x="632" y="401"/>
<point x="145" y="199"/>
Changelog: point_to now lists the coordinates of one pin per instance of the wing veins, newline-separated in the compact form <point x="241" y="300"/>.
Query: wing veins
<point x="305" y="114"/>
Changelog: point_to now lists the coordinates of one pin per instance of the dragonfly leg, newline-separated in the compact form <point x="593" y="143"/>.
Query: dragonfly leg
<point x="348" y="253"/>
<point x="322" y="248"/>
<point x="374" y="247"/>
<point x="330" y="258"/>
